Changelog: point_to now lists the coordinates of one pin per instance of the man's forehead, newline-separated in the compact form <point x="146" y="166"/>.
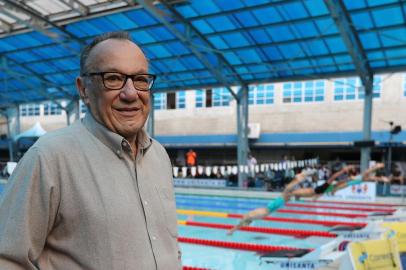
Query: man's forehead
<point x="114" y="45"/>
<point x="115" y="49"/>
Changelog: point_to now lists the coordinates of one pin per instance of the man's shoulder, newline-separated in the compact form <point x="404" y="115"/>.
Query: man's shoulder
<point x="60" y="138"/>
<point x="157" y="145"/>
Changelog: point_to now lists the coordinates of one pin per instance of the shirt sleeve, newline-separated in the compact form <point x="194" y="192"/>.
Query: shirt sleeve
<point x="28" y="210"/>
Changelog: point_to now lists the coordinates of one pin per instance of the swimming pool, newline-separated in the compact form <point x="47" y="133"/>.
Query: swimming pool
<point x="208" y="209"/>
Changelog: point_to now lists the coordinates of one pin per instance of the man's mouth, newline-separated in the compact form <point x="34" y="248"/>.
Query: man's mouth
<point x="128" y="111"/>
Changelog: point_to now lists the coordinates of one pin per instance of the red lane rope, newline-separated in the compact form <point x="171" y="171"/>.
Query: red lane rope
<point x="348" y="215"/>
<point x="358" y="203"/>
<point x="329" y="223"/>
<point x="341" y="207"/>
<point x="193" y="268"/>
<point x="303" y="233"/>
<point x="235" y="245"/>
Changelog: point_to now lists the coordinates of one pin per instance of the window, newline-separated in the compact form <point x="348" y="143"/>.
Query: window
<point x="308" y="91"/>
<point x="159" y="101"/>
<point x="171" y="101"/>
<point x="24" y="110"/>
<point x="220" y="97"/>
<point x="261" y="94"/>
<point x="180" y="99"/>
<point x="51" y="108"/>
<point x="29" y="109"/>
<point x="204" y="98"/>
<point x="200" y="98"/>
<point x="349" y="88"/>
<point x="209" y="98"/>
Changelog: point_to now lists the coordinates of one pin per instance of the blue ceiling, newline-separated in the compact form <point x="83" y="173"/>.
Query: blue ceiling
<point x="195" y="44"/>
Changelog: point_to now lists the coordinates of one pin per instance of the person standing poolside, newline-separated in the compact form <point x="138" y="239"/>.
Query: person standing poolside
<point x="191" y="158"/>
<point x="97" y="194"/>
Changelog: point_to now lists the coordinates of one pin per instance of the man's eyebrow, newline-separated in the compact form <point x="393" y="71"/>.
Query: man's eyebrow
<point x="141" y="71"/>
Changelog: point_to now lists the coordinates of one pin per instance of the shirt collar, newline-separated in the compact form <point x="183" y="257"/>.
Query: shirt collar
<point x="117" y="143"/>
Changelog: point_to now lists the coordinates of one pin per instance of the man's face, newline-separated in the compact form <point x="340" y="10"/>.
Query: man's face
<point x="122" y="111"/>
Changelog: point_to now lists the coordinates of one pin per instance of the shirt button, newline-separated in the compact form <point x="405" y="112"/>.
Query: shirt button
<point x="145" y="202"/>
<point x="153" y="238"/>
<point x="118" y="152"/>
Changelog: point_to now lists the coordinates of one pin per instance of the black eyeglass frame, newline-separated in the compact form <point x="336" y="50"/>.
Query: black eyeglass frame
<point x="101" y="74"/>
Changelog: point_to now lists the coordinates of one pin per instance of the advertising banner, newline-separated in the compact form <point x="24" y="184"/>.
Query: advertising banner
<point x="190" y="182"/>
<point x="364" y="192"/>
<point x="375" y="254"/>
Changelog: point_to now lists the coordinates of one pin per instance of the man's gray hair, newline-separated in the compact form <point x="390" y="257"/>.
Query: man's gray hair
<point x="123" y="35"/>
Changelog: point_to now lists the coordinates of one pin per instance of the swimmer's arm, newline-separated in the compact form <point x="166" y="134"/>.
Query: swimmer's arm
<point x="258" y="213"/>
<point x="346" y="169"/>
<point x="339" y="186"/>
<point x="378" y="179"/>
<point x="366" y="174"/>
<point x="300" y="177"/>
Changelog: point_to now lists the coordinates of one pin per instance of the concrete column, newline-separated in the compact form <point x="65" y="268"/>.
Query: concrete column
<point x="366" y="130"/>
<point x="150" y="121"/>
<point x="13" y="128"/>
<point x="72" y="111"/>
<point x="242" y="131"/>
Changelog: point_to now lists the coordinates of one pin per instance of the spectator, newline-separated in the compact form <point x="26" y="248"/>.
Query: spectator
<point x="396" y="178"/>
<point x="251" y="163"/>
<point x="191" y="158"/>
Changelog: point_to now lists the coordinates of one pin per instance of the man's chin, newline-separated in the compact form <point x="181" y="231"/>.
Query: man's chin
<point x="129" y="131"/>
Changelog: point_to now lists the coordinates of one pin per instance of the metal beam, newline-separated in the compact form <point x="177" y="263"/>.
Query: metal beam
<point x="7" y="27"/>
<point x="189" y="33"/>
<point x="129" y="2"/>
<point x="32" y="23"/>
<point x="351" y="39"/>
<point x="44" y="81"/>
<point x="37" y="17"/>
<point x="76" y="6"/>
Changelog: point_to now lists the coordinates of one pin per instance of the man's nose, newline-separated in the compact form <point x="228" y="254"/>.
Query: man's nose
<point x="128" y="91"/>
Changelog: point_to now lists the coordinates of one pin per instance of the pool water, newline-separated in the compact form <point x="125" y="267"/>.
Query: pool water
<point x="233" y="259"/>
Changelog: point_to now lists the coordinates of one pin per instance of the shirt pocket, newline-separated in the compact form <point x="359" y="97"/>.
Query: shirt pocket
<point x="168" y="207"/>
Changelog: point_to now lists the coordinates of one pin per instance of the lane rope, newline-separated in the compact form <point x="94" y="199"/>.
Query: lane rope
<point x="193" y="268"/>
<point x="236" y="245"/>
<point x="366" y="209"/>
<point x="359" y="203"/>
<point x="295" y="232"/>
<point x="316" y="213"/>
<point x="328" y="223"/>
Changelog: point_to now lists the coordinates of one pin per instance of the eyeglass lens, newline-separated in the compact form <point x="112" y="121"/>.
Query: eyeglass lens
<point x="117" y="81"/>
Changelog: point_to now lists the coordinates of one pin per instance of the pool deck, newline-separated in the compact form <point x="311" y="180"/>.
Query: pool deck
<point x="333" y="266"/>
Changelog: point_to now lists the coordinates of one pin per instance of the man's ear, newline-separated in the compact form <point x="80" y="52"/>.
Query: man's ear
<point x="80" y="86"/>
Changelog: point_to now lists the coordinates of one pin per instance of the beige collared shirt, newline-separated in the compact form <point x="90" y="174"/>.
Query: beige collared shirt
<point x="78" y="200"/>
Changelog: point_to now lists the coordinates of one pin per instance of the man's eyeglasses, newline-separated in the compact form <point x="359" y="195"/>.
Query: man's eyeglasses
<point x="116" y="80"/>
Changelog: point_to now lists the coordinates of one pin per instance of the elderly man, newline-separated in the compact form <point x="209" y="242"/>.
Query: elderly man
<point x="97" y="194"/>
